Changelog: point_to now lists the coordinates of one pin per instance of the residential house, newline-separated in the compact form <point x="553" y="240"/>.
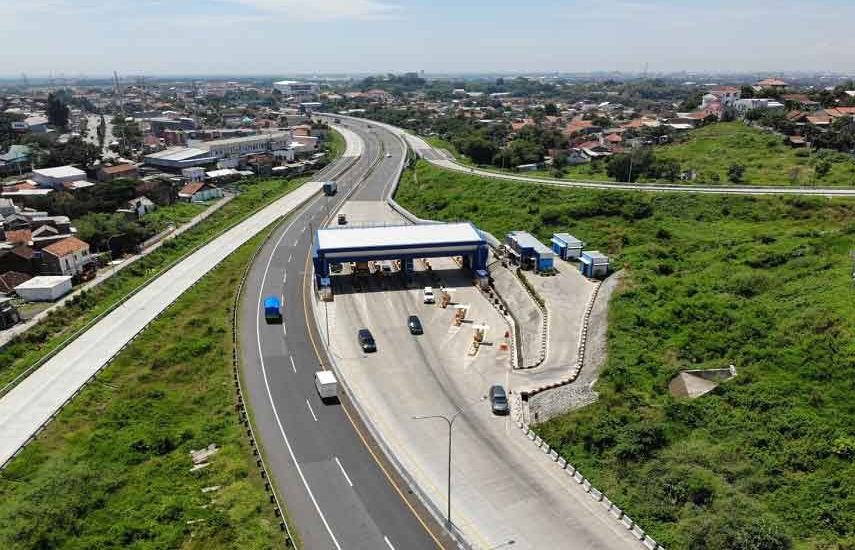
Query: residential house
<point x="110" y="173"/>
<point x="193" y="174"/>
<point x="15" y="159"/>
<point x="137" y="208"/>
<point x="749" y="104"/>
<point x="70" y="256"/>
<point x="727" y="95"/>
<point x="22" y="259"/>
<point x="10" y="279"/>
<point x="772" y="83"/>
<point x="199" y="192"/>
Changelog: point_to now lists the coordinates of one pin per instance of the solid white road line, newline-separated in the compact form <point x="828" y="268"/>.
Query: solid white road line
<point x="270" y="394"/>
<point x="346" y="477"/>
<point x="289" y="258"/>
<point x="388" y="543"/>
<point x="311" y="411"/>
<point x="293" y="366"/>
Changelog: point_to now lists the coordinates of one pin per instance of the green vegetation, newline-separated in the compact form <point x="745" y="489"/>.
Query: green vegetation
<point x="711" y="151"/>
<point x="35" y="343"/>
<point x="113" y="470"/>
<point x="765" y="461"/>
<point x="335" y="144"/>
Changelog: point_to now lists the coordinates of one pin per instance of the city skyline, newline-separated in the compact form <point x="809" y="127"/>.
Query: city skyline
<point x="253" y="37"/>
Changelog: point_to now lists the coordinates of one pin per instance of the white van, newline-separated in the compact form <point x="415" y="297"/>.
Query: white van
<point x="326" y="385"/>
<point x="428" y="295"/>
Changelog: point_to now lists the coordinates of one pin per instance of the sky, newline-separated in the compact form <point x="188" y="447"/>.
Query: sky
<point x="163" y="37"/>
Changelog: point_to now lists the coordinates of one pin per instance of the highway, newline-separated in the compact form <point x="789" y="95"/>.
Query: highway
<point x="338" y="490"/>
<point x="442" y="160"/>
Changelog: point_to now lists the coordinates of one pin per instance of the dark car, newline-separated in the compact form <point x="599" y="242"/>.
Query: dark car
<point x="366" y="341"/>
<point x="499" y="400"/>
<point x="414" y="325"/>
<point x="342" y="219"/>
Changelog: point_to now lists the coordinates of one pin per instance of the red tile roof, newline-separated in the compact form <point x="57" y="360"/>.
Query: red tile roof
<point x="66" y="246"/>
<point x="119" y="169"/>
<point x="22" y="236"/>
<point x="192" y="188"/>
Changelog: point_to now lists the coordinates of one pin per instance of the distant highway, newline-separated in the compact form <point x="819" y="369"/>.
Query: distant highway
<point x="442" y="160"/>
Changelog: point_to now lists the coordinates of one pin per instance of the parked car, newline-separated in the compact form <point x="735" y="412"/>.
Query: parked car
<point x="499" y="400"/>
<point x="342" y="219"/>
<point x="366" y="341"/>
<point x="428" y="295"/>
<point x="414" y="325"/>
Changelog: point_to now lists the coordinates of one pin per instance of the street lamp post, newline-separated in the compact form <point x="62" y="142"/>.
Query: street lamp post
<point x="110" y="248"/>
<point x="450" y="422"/>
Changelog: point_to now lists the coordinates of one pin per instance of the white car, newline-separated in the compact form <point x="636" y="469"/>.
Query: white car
<point x="388" y="155"/>
<point x="428" y="295"/>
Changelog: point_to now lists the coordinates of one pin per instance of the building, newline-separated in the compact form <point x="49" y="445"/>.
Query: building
<point x="773" y="83"/>
<point x="138" y="207"/>
<point x="297" y="88"/>
<point x="56" y="178"/>
<point x="161" y="124"/>
<point x="70" y="256"/>
<point x="530" y="252"/>
<point x="566" y="246"/>
<point x="745" y="105"/>
<point x="178" y="158"/>
<point x="110" y="173"/>
<point x="14" y="159"/>
<point x="194" y="174"/>
<point x="728" y="95"/>
<point x="593" y="264"/>
<point x="44" y="288"/>
<point x="199" y="192"/>
<point x="234" y="148"/>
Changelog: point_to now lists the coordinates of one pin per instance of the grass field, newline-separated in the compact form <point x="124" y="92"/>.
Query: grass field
<point x="25" y="350"/>
<point x="335" y="144"/>
<point x="711" y="150"/>
<point x="112" y="471"/>
<point x="765" y="461"/>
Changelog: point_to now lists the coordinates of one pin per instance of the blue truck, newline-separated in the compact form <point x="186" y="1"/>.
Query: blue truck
<point x="272" y="310"/>
<point x="330" y="187"/>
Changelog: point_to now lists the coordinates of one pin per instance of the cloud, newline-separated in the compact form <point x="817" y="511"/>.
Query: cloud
<point x="324" y="10"/>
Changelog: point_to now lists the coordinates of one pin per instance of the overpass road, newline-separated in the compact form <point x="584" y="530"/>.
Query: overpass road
<point x="339" y="491"/>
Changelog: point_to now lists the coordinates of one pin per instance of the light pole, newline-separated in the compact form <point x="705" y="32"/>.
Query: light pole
<point x="450" y="422"/>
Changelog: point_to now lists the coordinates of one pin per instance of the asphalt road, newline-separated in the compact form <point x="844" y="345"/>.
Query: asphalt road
<point x="338" y="491"/>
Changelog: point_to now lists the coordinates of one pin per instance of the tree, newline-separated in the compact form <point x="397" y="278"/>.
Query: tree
<point x="57" y="112"/>
<point x="823" y="167"/>
<point x="550" y="109"/>
<point x="630" y="166"/>
<point x="746" y="92"/>
<point x="480" y="150"/>
<point x="102" y="132"/>
<point x="735" y="172"/>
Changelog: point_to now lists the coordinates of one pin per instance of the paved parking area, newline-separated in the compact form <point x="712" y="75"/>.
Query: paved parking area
<point x="504" y="488"/>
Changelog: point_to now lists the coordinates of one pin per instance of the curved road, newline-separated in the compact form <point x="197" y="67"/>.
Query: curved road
<point x="441" y="159"/>
<point x="339" y="492"/>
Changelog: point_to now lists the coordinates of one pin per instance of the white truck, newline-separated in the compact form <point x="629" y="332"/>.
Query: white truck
<point x="326" y="385"/>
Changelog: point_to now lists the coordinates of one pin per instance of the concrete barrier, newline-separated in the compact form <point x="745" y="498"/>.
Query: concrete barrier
<point x="627" y="521"/>
<point x="578" y="477"/>
<point x="638" y="532"/>
<point x="596" y="494"/>
<point x="616" y="512"/>
<point x="649" y="543"/>
<point x="538" y="441"/>
<point x="553" y="454"/>
<point x="587" y="486"/>
<point x="531" y="435"/>
<point x="561" y="462"/>
<point x="545" y="448"/>
<point x="570" y="468"/>
<point x="607" y="504"/>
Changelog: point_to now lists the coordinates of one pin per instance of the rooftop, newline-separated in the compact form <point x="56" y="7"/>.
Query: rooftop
<point x="44" y="281"/>
<point x="66" y="246"/>
<point x="527" y="240"/>
<point x="398" y="236"/>
<point x="61" y="172"/>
